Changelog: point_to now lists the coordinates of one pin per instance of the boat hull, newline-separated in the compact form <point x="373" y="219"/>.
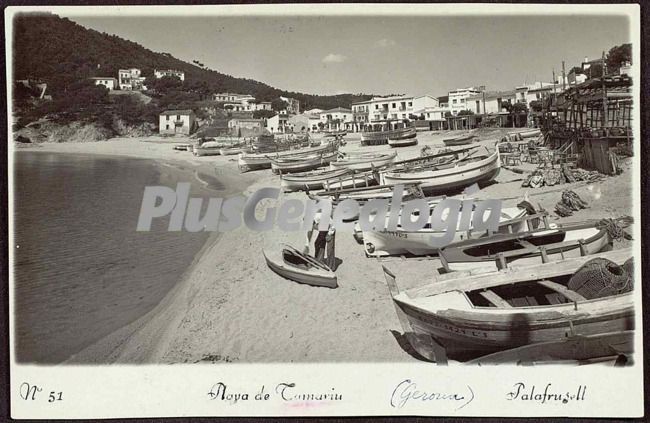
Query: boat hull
<point x="365" y="163"/>
<point x="383" y="137"/>
<point x="303" y="165"/>
<point x="386" y="243"/>
<point x="402" y="142"/>
<point x="448" y="180"/>
<point x="481" y="330"/>
<point x="314" y="277"/>
<point x="248" y="162"/>
<point x="594" y="241"/>
<point x="310" y="180"/>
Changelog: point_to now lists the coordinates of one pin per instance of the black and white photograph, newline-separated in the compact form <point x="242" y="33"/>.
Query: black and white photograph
<point x="452" y="188"/>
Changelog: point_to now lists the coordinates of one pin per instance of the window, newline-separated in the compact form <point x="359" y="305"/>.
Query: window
<point x="453" y="101"/>
<point x="376" y="106"/>
<point x="393" y="105"/>
<point x="167" y="126"/>
<point x="410" y="103"/>
<point x="167" y="116"/>
<point x="178" y="117"/>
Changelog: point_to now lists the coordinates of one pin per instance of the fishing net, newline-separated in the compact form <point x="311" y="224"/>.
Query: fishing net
<point x="600" y="278"/>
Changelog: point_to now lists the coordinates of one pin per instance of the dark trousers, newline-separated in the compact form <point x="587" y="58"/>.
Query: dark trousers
<point x="319" y="246"/>
<point x="324" y="250"/>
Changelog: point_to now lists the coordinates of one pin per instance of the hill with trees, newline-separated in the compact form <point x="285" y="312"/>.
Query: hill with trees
<point x="61" y="52"/>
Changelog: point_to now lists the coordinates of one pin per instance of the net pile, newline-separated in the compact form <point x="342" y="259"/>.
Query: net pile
<point x="600" y="278"/>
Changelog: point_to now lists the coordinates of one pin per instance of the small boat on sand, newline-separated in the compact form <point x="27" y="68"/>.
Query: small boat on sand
<point x="351" y="179"/>
<point x="182" y="147"/>
<point x="499" y="310"/>
<point x="296" y="266"/>
<point x="310" y="180"/>
<point x="460" y="140"/>
<point x="329" y="134"/>
<point x="364" y="161"/>
<point x="247" y="161"/>
<point x="531" y="247"/>
<point x="289" y="164"/>
<point x="402" y="142"/>
<point x="381" y="132"/>
<point x="530" y="134"/>
<point x="231" y="151"/>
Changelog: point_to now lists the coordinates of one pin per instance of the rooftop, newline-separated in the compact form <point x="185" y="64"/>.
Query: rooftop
<point x="338" y="109"/>
<point x="178" y="112"/>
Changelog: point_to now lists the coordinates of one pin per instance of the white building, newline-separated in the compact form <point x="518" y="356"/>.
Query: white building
<point x="108" y="82"/>
<point x="458" y="98"/>
<point x="177" y="122"/>
<point x="336" y="119"/>
<point x="131" y="79"/>
<point x="312" y="111"/>
<point x="532" y="92"/>
<point x="169" y="72"/>
<point x="489" y="102"/>
<point x="304" y="122"/>
<point x="241" y="102"/>
<point x="278" y="124"/>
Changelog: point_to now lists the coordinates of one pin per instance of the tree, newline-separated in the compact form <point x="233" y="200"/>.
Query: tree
<point x="278" y="104"/>
<point x="517" y="111"/>
<point x="164" y="85"/>
<point x="263" y="114"/>
<point x="618" y="55"/>
<point x="536" y="106"/>
<point x="448" y="114"/>
<point x="465" y="112"/>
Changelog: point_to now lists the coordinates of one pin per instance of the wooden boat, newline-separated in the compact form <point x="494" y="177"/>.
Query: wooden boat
<point x="499" y="310"/>
<point x="302" y="163"/>
<point x="364" y="161"/>
<point x="310" y="180"/>
<point x="363" y="194"/>
<point x="447" y="177"/>
<point x="530" y="247"/>
<point x="401" y="241"/>
<point x="256" y="161"/>
<point x="352" y="179"/>
<point x="231" y="151"/>
<point x="296" y="266"/>
<point x="341" y="133"/>
<point x="460" y="140"/>
<point x="382" y="135"/>
<point x="402" y="142"/>
<point x="530" y="134"/>
<point x="182" y="147"/>
<point x="576" y="349"/>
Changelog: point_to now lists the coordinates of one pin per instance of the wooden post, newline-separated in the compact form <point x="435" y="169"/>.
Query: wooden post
<point x="563" y="77"/>
<point x="602" y="79"/>
<point x="501" y="261"/>
<point x="542" y="251"/>
<point x="583" y="248"/>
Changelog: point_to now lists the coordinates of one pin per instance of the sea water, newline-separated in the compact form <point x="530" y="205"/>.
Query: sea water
<point x="81" y="270"/>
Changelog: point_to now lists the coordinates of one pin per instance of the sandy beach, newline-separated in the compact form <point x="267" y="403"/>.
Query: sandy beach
<point x="230" y="307"/>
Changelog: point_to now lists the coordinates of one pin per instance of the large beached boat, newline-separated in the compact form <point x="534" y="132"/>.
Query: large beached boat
<point x="381" y="132"/>
<point x="311" y="180"/>
<point x="364" y="161"/>
<point x="539" y="245"/>
<point x="402" y="241"/>
<point x="459" y="140"/>
<point x="292" y="164"/>
<point x="523" y="305"/>
<point x="256" y="161"/>
<point x="447" y="177"/>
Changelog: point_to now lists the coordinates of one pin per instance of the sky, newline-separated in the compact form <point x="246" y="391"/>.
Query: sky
<point x="376" y="55"/>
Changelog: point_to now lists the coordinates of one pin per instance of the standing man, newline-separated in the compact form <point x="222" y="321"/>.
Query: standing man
<point x="324" y="250"/>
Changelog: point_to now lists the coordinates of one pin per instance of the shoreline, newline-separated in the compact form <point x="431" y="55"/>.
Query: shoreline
<point x="229" y="307"/>
<point x="113" y="347"/>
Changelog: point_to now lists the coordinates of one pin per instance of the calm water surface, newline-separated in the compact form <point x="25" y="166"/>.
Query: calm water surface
<point x="81" y="269"/>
